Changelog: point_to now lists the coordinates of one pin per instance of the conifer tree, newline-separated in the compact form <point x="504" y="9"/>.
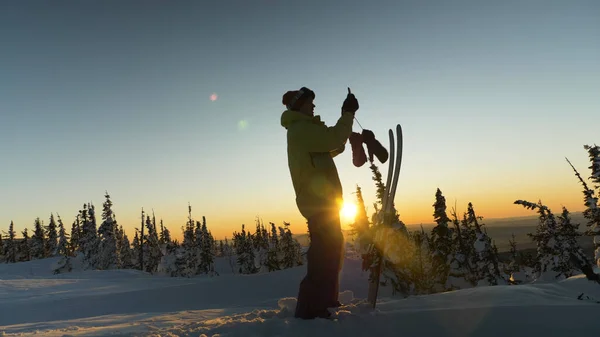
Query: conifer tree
<point x="441" y="242"/>
<point x="206" y="250"/>
<point x="76" y="235"/>
<point x="24" y="248"/>
<point x="590" y="198"/>
<point x="2" y="248"/>
<point x="125" y="251"/>
<point x="290" y="248"/>
<point x="573" y="259"/>
<point x="38" y="239"/>
<point x="151" y="248"/>
<point x="108" y="254"/>
<point x="62" y="247"/>
<point x="273" y="256"/>
<point x="513" y="268"/>
<point x="52" y="237"/>
<point x="485" y="257"/>
<point x="186" y="260"/>
<point x="165" y="234"/>
<point x="245" y="252"/>
<point x="89" y="240"/>
<point x="228" y="253"/>
<point x="549" y="249"/>
<point x="136" y="248"/>
<point x="11" y="245"/>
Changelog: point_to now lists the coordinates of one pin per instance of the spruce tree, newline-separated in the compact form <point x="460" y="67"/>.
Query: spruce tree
<point x="136" y="246"/>
<point x="38" y="239"/>
<point x="11" y="245"/>
<point x="165" y="234"/>
<point x="485" y="257"/>
<point x="108" y="254"/>
<point x="590" y="198"/>
<point x="290" y="248"/>
<point x="24" y="247"/>
<point x="89" y="242"/>
<point x="125" y="251"/>
<point x="186" y="260"/>
<point x="151" y="248"/>
<point x="441" y="241"/>
<point x="76" y="235"/>
<point x="52" y="237"/>
<point x="207" y="256"/>
<point x="273" y="256"/>
<point x="513" y="268"/>
<point x="549" y="249"/>
<point x="573" y="259"/>
<point x="245" y="252"/>
<point x="62" y="247"/>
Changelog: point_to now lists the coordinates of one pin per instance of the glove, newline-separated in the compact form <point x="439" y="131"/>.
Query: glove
<point x="359" y="157"/>
<point x="350" y="103"/>
<point x="374" y="146"/>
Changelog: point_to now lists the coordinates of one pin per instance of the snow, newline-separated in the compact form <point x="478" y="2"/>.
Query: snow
<point x="34" y="302"/>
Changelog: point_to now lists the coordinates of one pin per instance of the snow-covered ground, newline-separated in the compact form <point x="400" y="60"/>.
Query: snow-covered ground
<point x="33" y="302"/>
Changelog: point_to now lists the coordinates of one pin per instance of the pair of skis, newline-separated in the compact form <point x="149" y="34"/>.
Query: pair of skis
<point x="395" y="160"/>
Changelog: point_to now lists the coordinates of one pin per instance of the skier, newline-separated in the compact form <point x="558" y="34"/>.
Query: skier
<point x="311" y="147"/>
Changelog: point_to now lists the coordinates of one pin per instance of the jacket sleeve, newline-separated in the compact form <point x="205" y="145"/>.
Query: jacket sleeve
<point x="339" y="150"/>
<point x="318" y="138"/>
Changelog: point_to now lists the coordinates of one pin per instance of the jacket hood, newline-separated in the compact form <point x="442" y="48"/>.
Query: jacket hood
<point x="290" y="117"/>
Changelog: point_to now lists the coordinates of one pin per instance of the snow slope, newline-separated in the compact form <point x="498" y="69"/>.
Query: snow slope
<point x="33" y="302"/>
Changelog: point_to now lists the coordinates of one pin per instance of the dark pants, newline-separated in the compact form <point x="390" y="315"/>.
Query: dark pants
<point x="320" y="287"/>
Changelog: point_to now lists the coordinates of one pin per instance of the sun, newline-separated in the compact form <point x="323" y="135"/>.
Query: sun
<point x="348" y="211"/>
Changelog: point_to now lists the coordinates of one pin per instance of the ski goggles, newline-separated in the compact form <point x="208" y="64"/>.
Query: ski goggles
<point x="304" y="92"/>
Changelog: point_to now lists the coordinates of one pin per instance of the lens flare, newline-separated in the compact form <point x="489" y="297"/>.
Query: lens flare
<point x="214" y="97"/>
<point x="242" y="125"/>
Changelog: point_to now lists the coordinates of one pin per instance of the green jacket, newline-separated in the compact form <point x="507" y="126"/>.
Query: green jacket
<point x="311" y="147"/>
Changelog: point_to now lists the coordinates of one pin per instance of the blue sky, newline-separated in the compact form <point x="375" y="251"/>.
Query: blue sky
<point x="114" y="96"/>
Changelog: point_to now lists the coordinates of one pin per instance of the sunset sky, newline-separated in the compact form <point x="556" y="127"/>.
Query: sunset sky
<point x="162" y="103"/>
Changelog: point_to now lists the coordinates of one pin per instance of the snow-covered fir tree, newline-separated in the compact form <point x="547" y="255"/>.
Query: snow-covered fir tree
<point x="485" y="257"/>
<point x="64" y="265"/>
<point x="574" y="259"/>
<point x="273" y="256"/>
<point x="51" y="237"/>
<point x="125" y="252"/>
<point x="423" y="277"/>
<point x="229" y="254"/>
<point x="549" y="249"/>
<point x="441" y="243"/>
<point x="513" y="268"/>
<point x="151" y="247"/>
<point x="89" y="242"/>
<point x="76" y="234"/>
<point x="24" y="247"/>
<point x="245" y="252"/>
<point x="165" y="234"/>
<point x="260" y="242"/>
<point x="38" y="241"/>
<point x="206" y="250"/>
<point x="186" y="261"/>
<point x="291" y="249"/>
<point x="361" y="228"/>
<point x="62" y="248"/>
<point x="108" y="254"/>
<point x="11" y="245"/>
<point x="590" y="198"/>
<point x="136" y="246"/>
